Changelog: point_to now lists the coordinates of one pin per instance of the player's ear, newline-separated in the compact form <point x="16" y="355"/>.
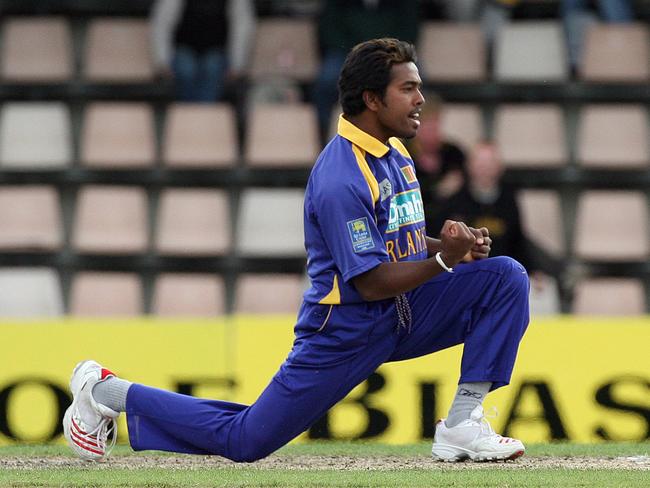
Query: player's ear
<point x="372" y="100"/>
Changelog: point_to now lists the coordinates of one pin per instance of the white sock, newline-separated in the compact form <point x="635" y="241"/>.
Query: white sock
<point x="112" y="393"/>
<point x="468" y="397"/>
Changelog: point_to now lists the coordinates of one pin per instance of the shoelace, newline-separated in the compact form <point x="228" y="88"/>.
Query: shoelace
<point x="103" y="432"/>
<point x="486" y="428"/>
<point x="485" y="423"/>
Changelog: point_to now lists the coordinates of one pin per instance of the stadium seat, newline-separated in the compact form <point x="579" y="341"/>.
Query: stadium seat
<point x="531" y="52"/>
<point x="36" y="50"/>
<point x="30" y="293"/>
<point x="109" y="294"/>
<point x="616" y="53"/>
<point x="118" y="135"/>
<point x="274" y="90"/>
<point x="117" y="51"/>
<point x="462" y="124"/>
<point x="544" y="298"/>
<point x="285" y="47"/>
<point x="35" y="135"/>
<point x="270" y="223"/>
<point x="531" y="135"/>
<point x="188" y="295"/>
<point x="200" y="136"/>
<point x="609" y="296"/>
<point x="452" y="52"/>
<point x="282" y="136"/>
<point x="541" y="219"/>
<point x="30" y="218"/>
<point x="613" y="136"/>
<point x="193" y="222"/>
<point x="268" y="293"/>
<point x="612" y="226"/>
<point x="110" y="219"/>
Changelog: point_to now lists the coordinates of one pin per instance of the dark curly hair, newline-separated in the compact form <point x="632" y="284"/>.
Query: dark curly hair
<point x="367" y="67"/>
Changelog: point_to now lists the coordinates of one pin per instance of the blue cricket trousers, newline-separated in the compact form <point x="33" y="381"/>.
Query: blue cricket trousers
<point x="483" y="304"/>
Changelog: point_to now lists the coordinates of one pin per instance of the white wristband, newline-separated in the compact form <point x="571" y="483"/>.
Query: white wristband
<point x="442" y="263"/>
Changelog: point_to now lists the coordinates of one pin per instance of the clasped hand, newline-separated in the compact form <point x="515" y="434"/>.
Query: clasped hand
<point x="459" y="242"/>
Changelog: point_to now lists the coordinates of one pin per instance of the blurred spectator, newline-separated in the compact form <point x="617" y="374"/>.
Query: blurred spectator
<point x="202" y="44"/>
<point x="492" y="14"/>
<point x="440" y="164"/>
<point x="484" y="201"/>
<point x="577" y="16"/>
<point x="345" y="23"/>
<point x="291" y="7"/>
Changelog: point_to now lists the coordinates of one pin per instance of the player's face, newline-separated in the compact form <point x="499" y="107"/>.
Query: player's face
<point x="399" y="114"/>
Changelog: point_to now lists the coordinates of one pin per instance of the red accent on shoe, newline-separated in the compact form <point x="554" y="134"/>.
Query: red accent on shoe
<point x="86" y="448"/>
<point x="78" y="432"/>
<point x="86" y="443"/>
<point x="106" y="373"/>
<point x="516" y="455"/>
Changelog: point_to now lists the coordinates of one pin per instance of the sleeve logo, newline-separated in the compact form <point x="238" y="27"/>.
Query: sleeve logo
<point x="360" y="234"/>
<point x="409" y="174"/>
<point x="385" y="189"/>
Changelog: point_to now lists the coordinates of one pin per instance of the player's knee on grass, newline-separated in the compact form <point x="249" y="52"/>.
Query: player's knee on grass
<point x="252" y="454"/>
<point x="253" y="450"/>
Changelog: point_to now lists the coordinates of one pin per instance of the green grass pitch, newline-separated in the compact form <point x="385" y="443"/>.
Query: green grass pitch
<point x="332" y="464"/>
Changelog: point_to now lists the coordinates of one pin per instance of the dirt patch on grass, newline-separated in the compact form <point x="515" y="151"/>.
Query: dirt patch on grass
<point x="348" y="463"/>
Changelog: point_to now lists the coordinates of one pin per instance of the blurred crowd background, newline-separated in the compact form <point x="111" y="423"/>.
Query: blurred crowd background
<point x="153" y="153"/>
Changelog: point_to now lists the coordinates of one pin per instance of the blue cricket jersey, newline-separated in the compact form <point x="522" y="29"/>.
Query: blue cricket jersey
<point x="362" y="207"/>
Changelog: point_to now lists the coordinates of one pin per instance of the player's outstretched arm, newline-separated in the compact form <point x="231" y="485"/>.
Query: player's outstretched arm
<point x="391" y="279"/>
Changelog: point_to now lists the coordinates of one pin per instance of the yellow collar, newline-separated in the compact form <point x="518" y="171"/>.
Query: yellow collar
<point x="360" y="138"/>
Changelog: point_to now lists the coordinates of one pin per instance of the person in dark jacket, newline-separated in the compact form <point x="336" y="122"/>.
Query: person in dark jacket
<point x="201" y="44"/>
<point x="484" y="201"/>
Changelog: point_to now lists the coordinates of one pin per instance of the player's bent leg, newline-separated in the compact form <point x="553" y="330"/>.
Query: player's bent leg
<point x="484" y="303"/>
<point x="497" y="327"/>
<point x="297" y="396"/>
<point x="319" y="372"/>
<point x="473" y="439"/>
<point x="485" y="306"/>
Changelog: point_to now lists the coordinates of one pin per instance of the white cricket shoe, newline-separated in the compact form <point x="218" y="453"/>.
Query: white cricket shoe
<point x="88" y="426"/>
<point x="473" y="439"/>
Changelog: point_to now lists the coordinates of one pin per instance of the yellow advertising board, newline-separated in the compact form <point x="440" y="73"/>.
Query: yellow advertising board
<point x="581" y="380"/>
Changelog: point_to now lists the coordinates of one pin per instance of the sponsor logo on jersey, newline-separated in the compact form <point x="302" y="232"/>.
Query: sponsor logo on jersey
<point x="409" y="174"/>
<point x="406" y="208"/>
<point x="360" y="234"/>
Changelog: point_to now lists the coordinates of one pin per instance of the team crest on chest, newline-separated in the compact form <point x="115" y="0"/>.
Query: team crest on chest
<point x="409" y="174"/>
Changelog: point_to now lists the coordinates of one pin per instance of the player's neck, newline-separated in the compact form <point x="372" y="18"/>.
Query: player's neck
<point x="367" y="122"/>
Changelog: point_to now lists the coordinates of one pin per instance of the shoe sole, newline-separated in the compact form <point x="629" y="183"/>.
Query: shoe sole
<point x="79" y="451"/>
<point x="452" y="455"/>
